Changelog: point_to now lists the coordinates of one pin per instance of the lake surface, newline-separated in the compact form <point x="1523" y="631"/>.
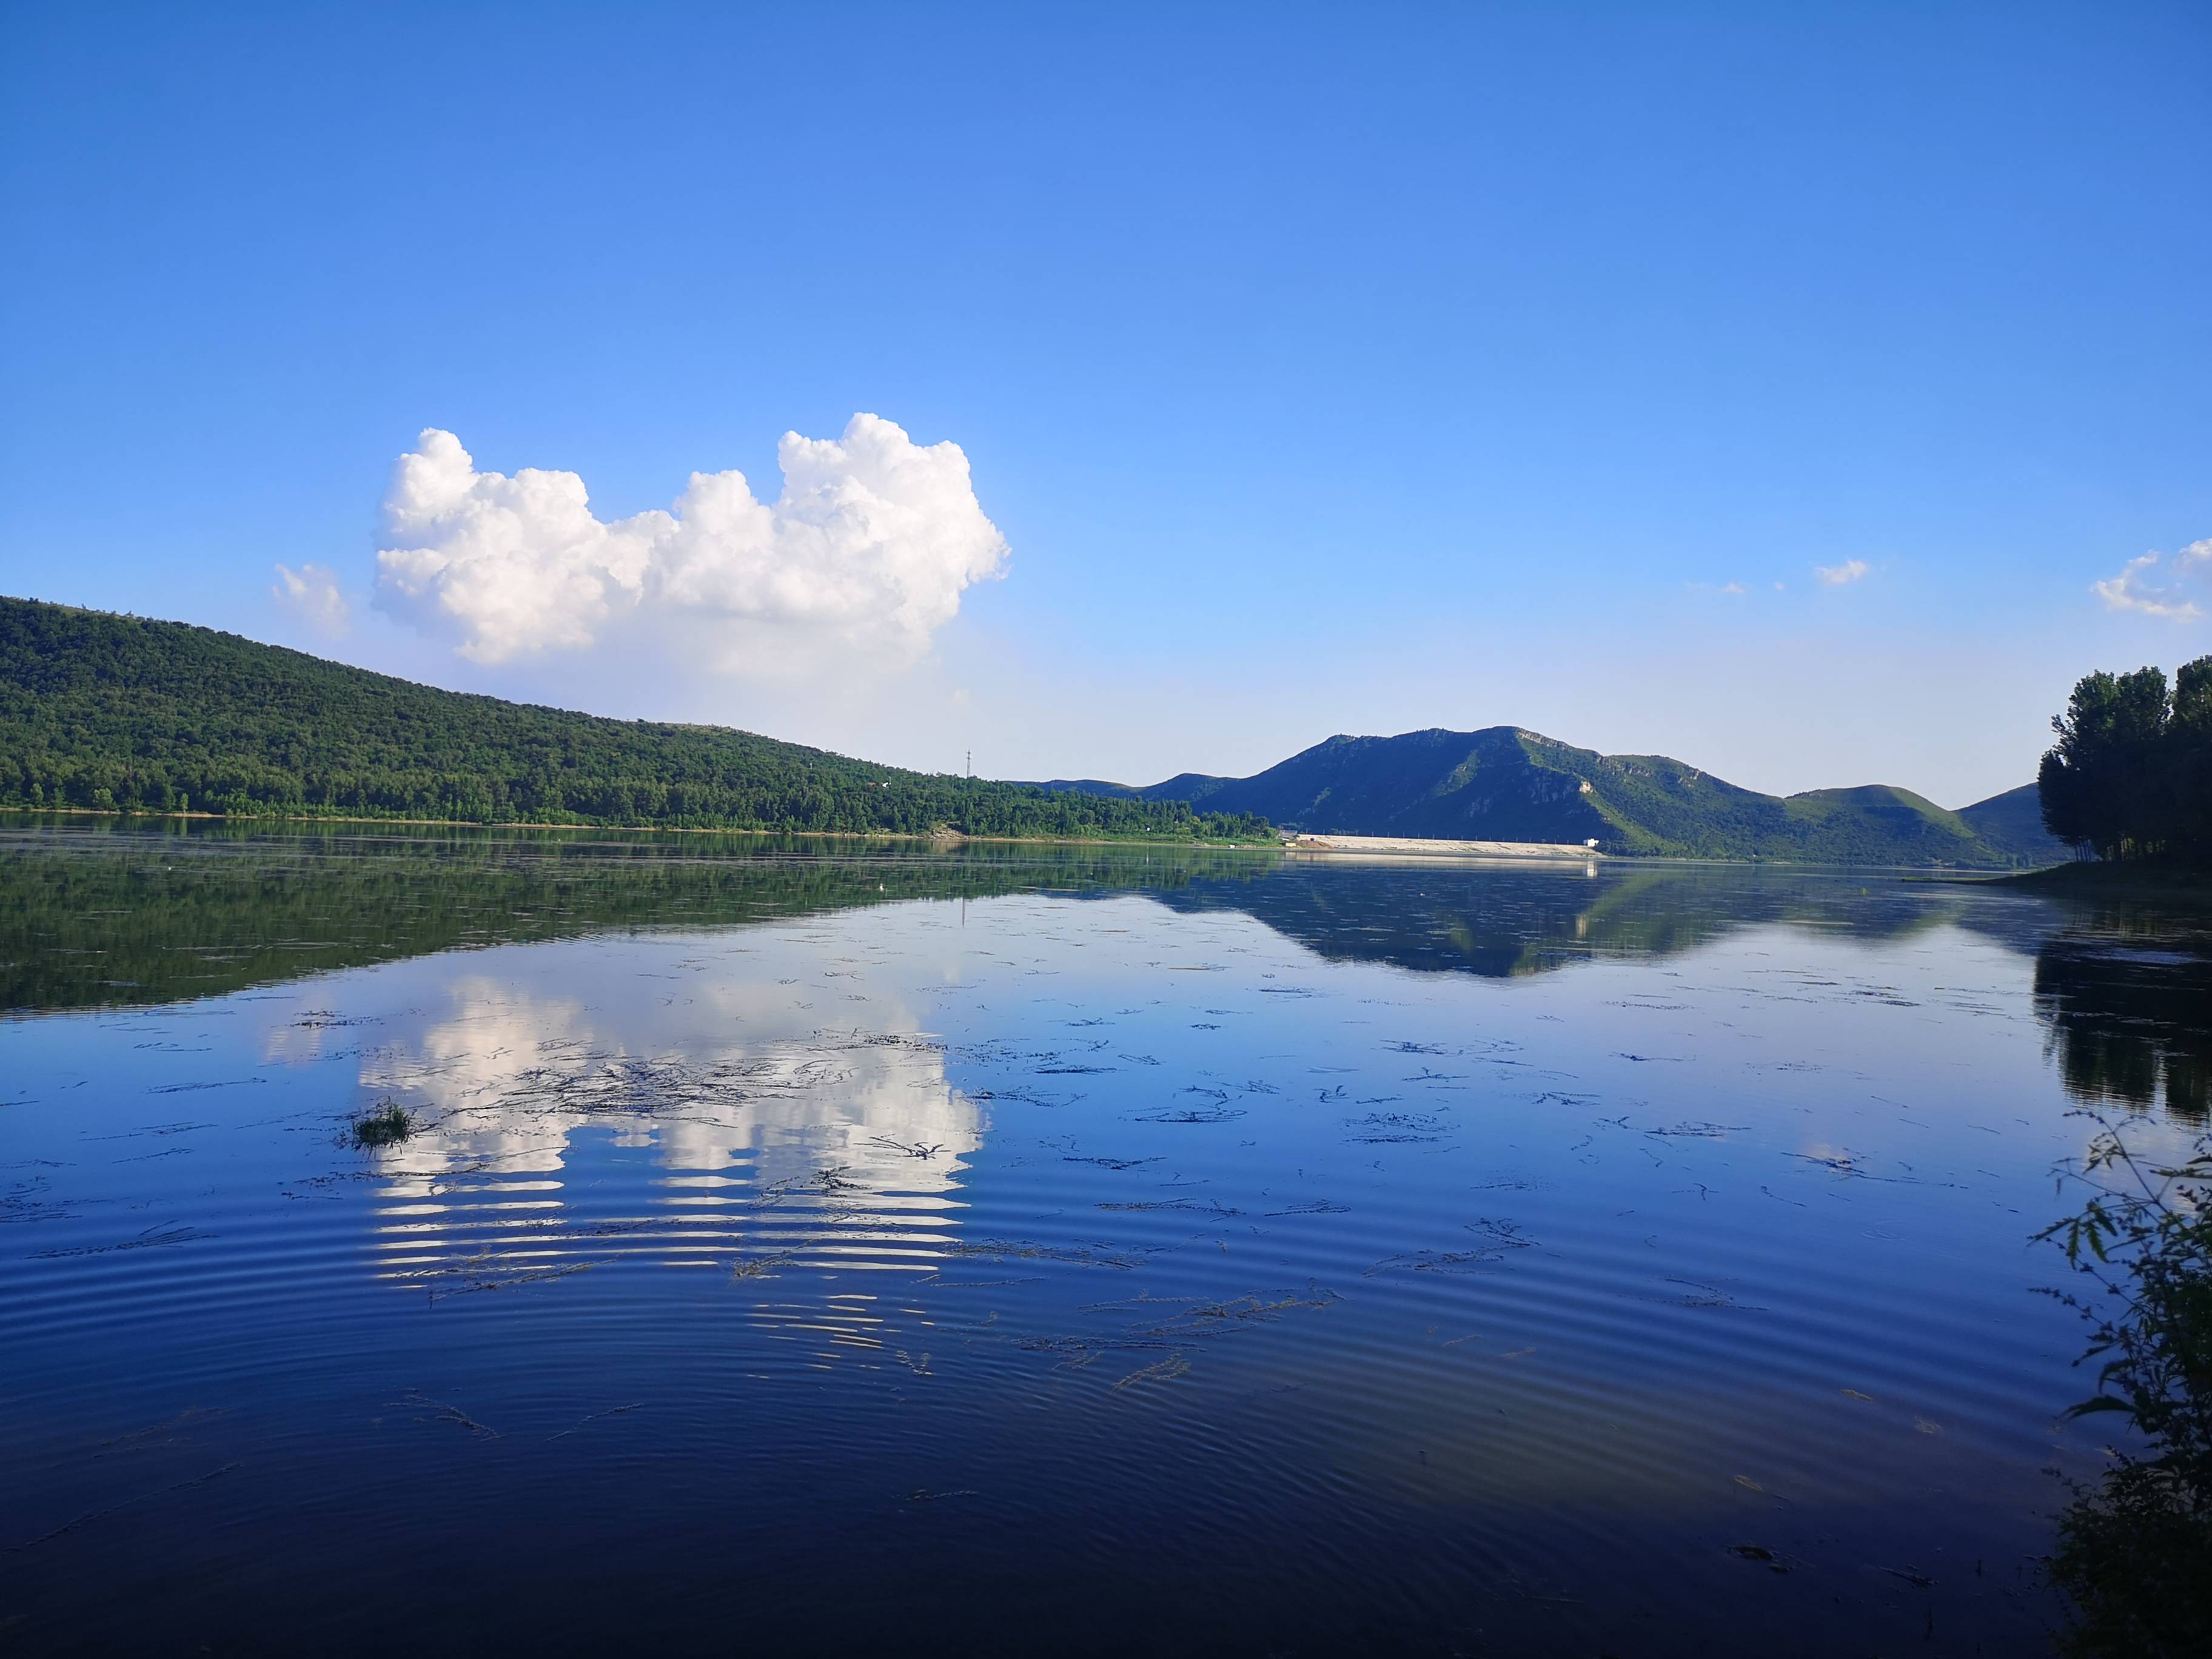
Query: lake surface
<point x="818" y="1248"/>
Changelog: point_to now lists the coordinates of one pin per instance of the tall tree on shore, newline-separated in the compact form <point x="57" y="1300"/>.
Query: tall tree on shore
<point x="2130" y="777"/>
<point x="2189" y="735"/>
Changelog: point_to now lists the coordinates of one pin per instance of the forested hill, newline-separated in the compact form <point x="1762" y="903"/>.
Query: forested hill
<point x="1506" y="784"/>
<point x="106" y="711"/>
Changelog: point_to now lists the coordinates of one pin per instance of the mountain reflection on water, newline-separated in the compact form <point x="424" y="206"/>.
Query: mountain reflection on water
<point x="116" y="917"/>
<point x="1113" y="1250"/>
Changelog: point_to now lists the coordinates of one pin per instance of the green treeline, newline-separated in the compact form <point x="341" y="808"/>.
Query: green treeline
<point x="2130" y="777"/>
<point x="119" y="714"/>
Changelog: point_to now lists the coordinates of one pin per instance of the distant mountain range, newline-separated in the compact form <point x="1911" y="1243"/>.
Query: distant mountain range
<point x="1505" y="784"/>
<point x="123" y="714"/>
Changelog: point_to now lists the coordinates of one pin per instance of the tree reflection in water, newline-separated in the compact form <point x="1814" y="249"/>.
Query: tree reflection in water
<point x="2128" y="1020"/>
<point x="2134" y="1553"/>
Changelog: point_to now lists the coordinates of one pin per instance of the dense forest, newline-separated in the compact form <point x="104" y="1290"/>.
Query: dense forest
<point x="119" y="713"/>
<point x="2130" y="777"/>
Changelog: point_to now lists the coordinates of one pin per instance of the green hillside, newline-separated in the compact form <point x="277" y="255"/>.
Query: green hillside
<point x="2013" y="823"/>
<point x="115" y="712"/>
<point x="1505" y="784"/>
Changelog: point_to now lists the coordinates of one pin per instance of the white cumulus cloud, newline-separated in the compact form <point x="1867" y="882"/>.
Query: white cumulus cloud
<point x="1840" y="575"/>
<point x="2139" y="587"/>
<point x="312" y="593"/>
<point x="867" y="549"/>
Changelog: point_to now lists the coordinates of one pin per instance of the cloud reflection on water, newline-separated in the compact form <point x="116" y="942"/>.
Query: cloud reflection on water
<point x="795" y="1143"/>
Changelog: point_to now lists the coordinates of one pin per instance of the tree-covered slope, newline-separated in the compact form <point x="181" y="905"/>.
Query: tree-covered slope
<point x="107" y="711"/>
<point x="1506" y="784"/>
<point x="2013" y="823"/>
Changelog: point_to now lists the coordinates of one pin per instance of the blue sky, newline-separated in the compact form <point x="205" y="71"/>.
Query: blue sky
<point x="1316" y="368"/>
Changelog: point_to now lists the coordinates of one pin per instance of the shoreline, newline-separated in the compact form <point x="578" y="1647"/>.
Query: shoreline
<point x="2146" y="883"/>
<point x="949" y="837"/>
<point x="1336" y="847"/>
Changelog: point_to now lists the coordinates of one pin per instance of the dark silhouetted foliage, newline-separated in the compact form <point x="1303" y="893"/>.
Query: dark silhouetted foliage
<point x="2134" y="1552"/>
<point x="2130" y="777"/>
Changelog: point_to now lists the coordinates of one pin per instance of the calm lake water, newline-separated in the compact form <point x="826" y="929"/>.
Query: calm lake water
<point x="1029" y="1249"/>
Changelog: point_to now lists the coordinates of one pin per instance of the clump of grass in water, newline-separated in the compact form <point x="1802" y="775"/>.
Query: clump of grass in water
<point x="385" y="1124"/>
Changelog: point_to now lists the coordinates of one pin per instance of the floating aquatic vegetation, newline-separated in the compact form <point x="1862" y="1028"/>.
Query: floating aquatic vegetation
<point x="437" y="1411"/>
<point x="1760" y="1554"/>
<point x="1699" y="1294"/>
<point x="1111" y="1162"/>
<point x="488" y="1270"/>
<point x="1499" y="1239"/>
<point x="1384" y="1129"/>
<point x="1164" y="1370"/>
<point x="611" y="1411"/>
<point x="72" y="1524"/>
<point x="26" y="1201"/>
<point x="1080" y="1256"/>
<point x="760" y="1267"/>
<point x="829" y="1181"/>
<point x="1191" y="1114"/>
<point x="160" y="1235"/>
<point x="385" y="1124"/>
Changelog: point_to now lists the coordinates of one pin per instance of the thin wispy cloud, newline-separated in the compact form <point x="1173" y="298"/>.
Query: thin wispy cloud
<point x="2143" y="586"/>
<point x="863" y="556"/>
<point x="1841" y="576"/>
<point x="313" y="595"/>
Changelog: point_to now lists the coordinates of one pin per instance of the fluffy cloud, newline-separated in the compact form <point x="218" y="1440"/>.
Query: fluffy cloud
<point x="311" y="594"/>
<point x="2138" y="587"/>
<point x="868" y="548"/>
<point x="1839" y="575"/>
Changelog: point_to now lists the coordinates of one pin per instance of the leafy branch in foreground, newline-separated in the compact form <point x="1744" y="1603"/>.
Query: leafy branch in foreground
<point x="2134" y="1553"/>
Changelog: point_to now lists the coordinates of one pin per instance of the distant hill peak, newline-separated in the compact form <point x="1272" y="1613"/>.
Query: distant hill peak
<point x="1510" y="783"/>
